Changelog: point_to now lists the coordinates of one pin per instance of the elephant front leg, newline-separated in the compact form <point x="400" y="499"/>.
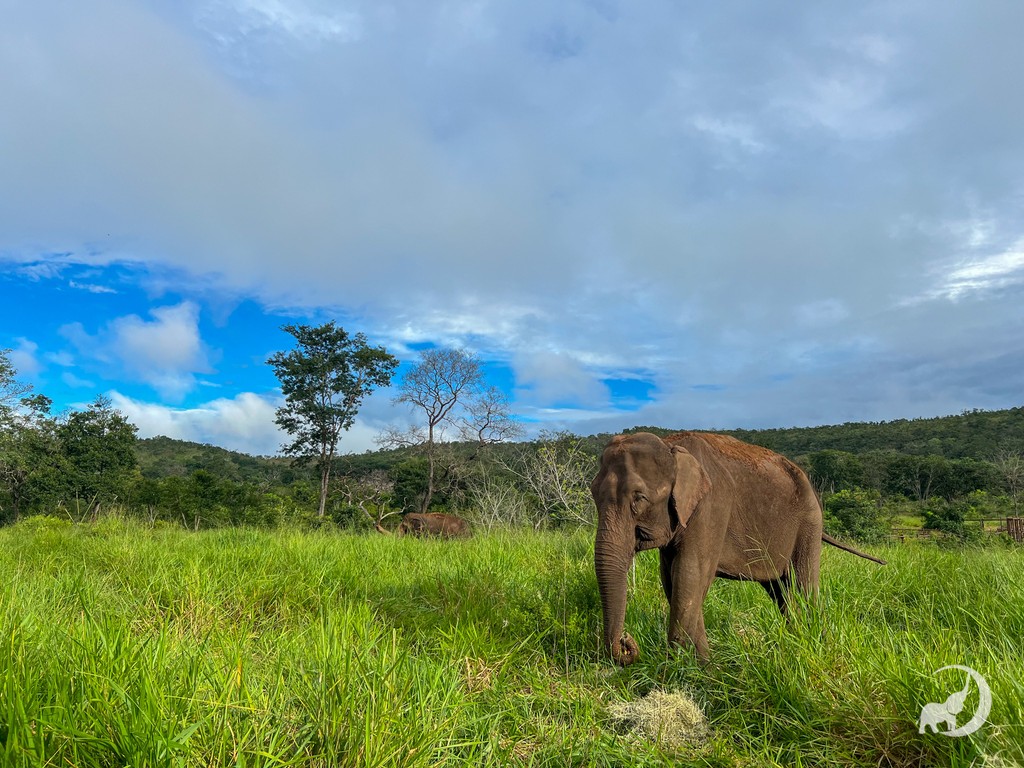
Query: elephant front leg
<point x="690" y="584"/>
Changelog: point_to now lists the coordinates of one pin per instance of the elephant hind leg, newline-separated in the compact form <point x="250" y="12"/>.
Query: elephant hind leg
<point x="807" y="565"/>
<point x="777" y="589"/>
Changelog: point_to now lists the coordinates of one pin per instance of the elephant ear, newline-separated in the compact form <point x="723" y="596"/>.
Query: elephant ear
<point x="691" y="484"/>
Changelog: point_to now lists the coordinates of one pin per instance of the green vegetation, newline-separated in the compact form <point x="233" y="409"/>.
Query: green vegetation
<point x="972" y="434"/>
<point x="324" y="381"/>
<point x="127" y="645"/>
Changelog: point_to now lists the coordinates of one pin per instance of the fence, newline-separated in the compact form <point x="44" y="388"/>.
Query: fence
<point x="1011" y="526"/>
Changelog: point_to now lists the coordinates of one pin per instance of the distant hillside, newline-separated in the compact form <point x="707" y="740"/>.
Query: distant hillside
<point x="972" y="434"/>
<point x="165" y="457"/>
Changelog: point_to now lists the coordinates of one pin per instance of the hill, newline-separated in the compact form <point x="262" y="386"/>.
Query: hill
<point x="972" y="434"/>
<point x="166" y="457"/>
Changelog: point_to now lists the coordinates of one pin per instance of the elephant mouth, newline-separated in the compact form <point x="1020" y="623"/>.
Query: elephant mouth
<point x="643" y="540"/>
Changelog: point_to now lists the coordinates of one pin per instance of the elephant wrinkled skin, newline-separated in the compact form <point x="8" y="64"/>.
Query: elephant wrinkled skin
<point x="712" y="506"/>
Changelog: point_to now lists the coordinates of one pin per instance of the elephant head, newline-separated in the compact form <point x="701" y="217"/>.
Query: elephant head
<point x="645" y="492"/>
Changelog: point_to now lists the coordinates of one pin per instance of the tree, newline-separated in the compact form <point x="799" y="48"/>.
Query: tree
<point x="370" y="494"/>
<point x="1010" y="464"/>
<point x="98" y="447"/>
<point x="30" y="461"/>
<point x="447" y="389"/>
<point x="324" y="381"/>
<point x="489" y="418"/>
<point x="855" y="513"/>
<point x="833" y="471"/>
<point x="11" y="390"/>
<point x="557" y="472"/>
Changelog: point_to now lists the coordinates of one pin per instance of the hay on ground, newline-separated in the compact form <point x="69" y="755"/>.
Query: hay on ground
<point x="670" y="719"/>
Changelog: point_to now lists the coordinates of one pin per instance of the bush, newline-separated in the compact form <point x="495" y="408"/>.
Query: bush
<point x="950" y="517"/>
<point x="856" y="514"/>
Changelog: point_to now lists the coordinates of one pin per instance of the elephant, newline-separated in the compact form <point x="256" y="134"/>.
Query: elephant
<point x="433" y="524"/>
<point x="712" y="506"/>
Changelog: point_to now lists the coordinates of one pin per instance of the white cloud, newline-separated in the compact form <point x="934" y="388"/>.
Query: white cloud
<point x="534" y="181"/>
<point x="166" y="352"/>
<point x="732" y="132"/>
<point x="25" y="358"/>
<point x="990" y="272"/>
<point x="63" y="359"/>
<point x="243" y="423"/>
<point x="91" y="287"/>
<point x="293" y="18"/>
<point x="552" y="379"/>
<point x="76" y="382"/>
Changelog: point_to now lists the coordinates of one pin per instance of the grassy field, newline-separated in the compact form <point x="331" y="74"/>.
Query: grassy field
<point x="127" y="646"/>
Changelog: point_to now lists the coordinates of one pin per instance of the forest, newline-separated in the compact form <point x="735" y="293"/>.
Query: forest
<point x="937" y="474"/>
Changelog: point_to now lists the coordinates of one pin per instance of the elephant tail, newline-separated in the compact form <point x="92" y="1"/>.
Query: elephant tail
<point x="846" y="547"/>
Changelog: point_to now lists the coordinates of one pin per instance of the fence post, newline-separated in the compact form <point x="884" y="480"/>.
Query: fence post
<point x="1015" y="528"/>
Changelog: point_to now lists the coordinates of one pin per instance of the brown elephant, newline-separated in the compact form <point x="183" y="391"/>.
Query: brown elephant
<point x="433" y="524"/>
<point x="713" y="506"/>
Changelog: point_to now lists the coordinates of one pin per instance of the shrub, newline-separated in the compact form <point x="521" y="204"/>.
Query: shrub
<point x="856" y="514"/>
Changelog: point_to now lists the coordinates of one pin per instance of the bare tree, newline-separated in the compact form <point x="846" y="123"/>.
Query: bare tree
<point x="499" y="503"/>
<point x="446" y="390"/>
<point x="488" y="419"/>
<point x="558" y="471"/>
<point x="370" y="494"/>
<point x="1010" y="464"/>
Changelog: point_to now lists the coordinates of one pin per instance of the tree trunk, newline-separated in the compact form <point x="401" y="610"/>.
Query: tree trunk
<point x="612" y="558"/>
<point x="429" y="495"/>
<point x="325" y="481"/>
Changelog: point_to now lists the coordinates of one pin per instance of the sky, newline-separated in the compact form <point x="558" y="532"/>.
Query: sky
<point x="701" y="215"/>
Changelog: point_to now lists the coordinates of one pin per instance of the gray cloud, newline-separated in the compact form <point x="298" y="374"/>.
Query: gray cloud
<point x="779" y="216"/>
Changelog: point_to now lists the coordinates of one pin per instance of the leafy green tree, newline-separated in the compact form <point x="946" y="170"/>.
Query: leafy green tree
<point x="97" y="445"/>
<point x="856" y="514"/>
<point x="324" y="380"/>
<point x="31" y="467"/>
<point x="833" y="471"/>
<point x="950" y="517"/>
<point x="1010" y="466"/>
<point x="410" y="478"/>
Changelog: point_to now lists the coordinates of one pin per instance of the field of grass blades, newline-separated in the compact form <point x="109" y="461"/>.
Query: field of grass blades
<point x="121" y="645"/>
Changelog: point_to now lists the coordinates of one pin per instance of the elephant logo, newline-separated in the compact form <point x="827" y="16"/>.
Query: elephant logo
<point x="946" y="712"/>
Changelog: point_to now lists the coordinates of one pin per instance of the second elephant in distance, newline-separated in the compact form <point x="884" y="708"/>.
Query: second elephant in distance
<point x="434" y="524"/>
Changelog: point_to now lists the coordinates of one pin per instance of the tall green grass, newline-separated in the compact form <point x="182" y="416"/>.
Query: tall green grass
<point x="126" y="646"/>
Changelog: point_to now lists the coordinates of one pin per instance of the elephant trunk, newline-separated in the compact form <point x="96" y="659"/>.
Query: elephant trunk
<point x="612" y="558"/>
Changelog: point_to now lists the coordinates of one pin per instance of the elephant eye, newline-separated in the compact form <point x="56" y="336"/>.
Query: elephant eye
<point x="639" y="499"/>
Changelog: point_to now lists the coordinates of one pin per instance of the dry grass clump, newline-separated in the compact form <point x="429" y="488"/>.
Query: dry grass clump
<point x="669" y="719"/>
